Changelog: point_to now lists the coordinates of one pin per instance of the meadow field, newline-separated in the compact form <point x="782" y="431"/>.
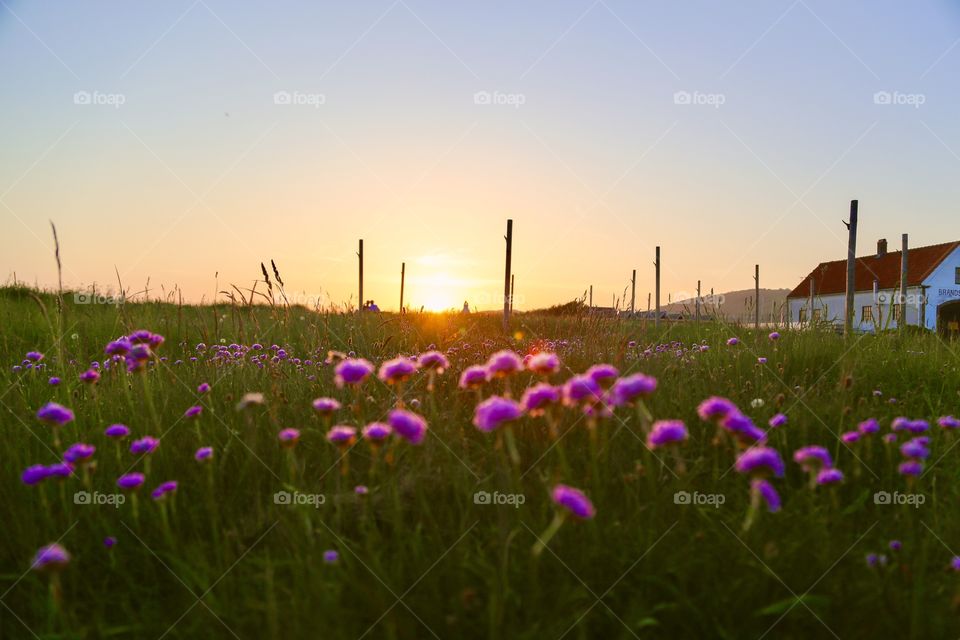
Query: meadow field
<point x="584" y="511"/>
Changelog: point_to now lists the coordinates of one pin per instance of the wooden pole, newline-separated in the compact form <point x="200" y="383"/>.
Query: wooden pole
<point x="591" y="297"/>
<point x="904" y="264"/>
<point x="810" y="310"/>
<point x="512" y="276"/>
<point x="633" y="292"/>
<point x="851" y="269"/>
<point x="756" y="297"/>
<point x="506" y="276"/>
<point x="657" y="271"/>
<point x="361" y="301"/>
<point x="403" y="275"/>
<point x="698" y="302"/>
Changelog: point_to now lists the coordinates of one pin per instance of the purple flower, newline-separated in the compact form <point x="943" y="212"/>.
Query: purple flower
<point x="760" y="461"/>
<point x="52" y="557"/>
<point x="868" y="426"/>
<point x="916" y="449"/>
<point x="538" y="397"/>
<point x="761" y="360"/>
<point x="473" y="377"/>
<point x="342" y="435"/>
<point x="948" y="422"/>
<point x="130" y="481"/>
<point x="766" y="491"/>
<point x="503" y="363"/>
<point x="53" y="381"/>
<point x="543" y="363"/>
<point x="352" y="371"/>
<point x="899" y="423"/>
<point x="889" y="438"/>
<point x="79" y="452"/>
<point x="60" y="470"/>
<point x="55" y="414"/>
<point x="288" y="437"/>
<point x="955" y="563"/>
<point x="90" y="376"/>
<point x="361" y="490"/>
<point x="408" y="425"/>
<point x="917" y="426"/>
<point x="581" y="389"/>
<point x="850" y="437"/>
<point x="666" y="432"/>
<point x="145" y="445"/>
<point x="774" y="335"/>
<point x="895" y="545"/>
<point x="603" y="374"/>
<point x="377" y="431"/>
<point x="574" y="501"/>
<point x="34" y="356"/>
<point x="117" y="431"/>
<point x="716" y="407"/>
<point x="629" y="389"/>
<point x="170" y="486"/>
<point x="830" y="476"/>
<point x="910" y="468"/>
<point x="203" y="388"/>
<point x="119" y="347"/>
<point x="330" y="556"/>
<point x="494" y="412"/>
<point x="397" y="370"/>
<point x="812" y="458"/>
<point x="872" y="560"/>
<point x="203" y="453"/>
<point x="777" y="421"/>
<point x="743" y="428"/>
<point x="34" y="474"/>
<point x="434" y="360"/>
<point x="193" y="411"/>
<point x="325" y="406"/>
<point x="109" y="542"/>
<point x="732" y="342"/>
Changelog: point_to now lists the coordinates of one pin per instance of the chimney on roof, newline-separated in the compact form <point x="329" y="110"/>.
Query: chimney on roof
<point x="881" y="247"/>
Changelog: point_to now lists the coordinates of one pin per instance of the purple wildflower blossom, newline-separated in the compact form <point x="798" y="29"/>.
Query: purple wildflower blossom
<point x="574" y="501"/>
<point x="603" y="374"/>
<point x="144" y="445"/>
<point x="330" y="556"/>
<point x="503" y="363"/>
<point x="581" y="389"/>
<point x="543" y="363"/>
<point x="60" y="470"/>
<point x="629" y="389"/>
<point x="79" y="452"/>
<point x="204" y="387"/>
<point x="716" y="407"/>
<point x="850" y="437"/>
<point x="494" y="412"/>
<point x="666" y="432"/>
<point x="342" y="435"/>
<point x="397" y="370"/>
<point x="34" y="356"/>
<point x="130" y="481"/>
<point x="109" y="542"/>
<point x="34" y="474"/>
<point x="538" y="397"/>
<point x="203" y="453"/>
<point x="910" y="468"/>
<point x="895" y="545"/>
<point x="812" y="457"/>
<point x="955" y="563"/>
<point x="52" y="557"/>
<point x="164" y="488"/>
<point x="868" y="426"/>
<point x="434" y="360"/>
<point x="732" y="342"/>
<point x="377" y="431"/>
<point x="777" y="421"/>
<point x="774" y="335"/>
<point x="288" y="437"/>
<point x="117" y="431"/>
<point x="193" y="411"/>
<point x="53" y="381"/>
<point x="119" y="347"/>
<point x="766" y="491"/>
<point x="325" y="406"/>
<point x="352" y="371"/>
<point x="90" y="376"/>
<point x="55" y="414"/>
<point x="408" y="425"/>
<point x="473" y="377"/>
<point x="916" y="449"/>
<point x="760" y="461"/>
<point x="830" y="476"/>
<point x="948" y="422"/>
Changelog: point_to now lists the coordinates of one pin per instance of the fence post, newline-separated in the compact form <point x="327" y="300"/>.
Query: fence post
<point x="361" y="301"/>
<point x="403" y="274"/>
<point x="904" y="264"/>
<point x="657" y="265"/>
<point x="851" y="269"/>
<point x="506" y="276"/>
<point x="756" y="297"/>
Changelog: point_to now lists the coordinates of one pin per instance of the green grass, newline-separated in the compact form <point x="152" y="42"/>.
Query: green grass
<point x="418" y="557"/>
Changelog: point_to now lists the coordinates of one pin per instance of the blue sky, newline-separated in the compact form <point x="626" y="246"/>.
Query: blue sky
<point x="200" y="171"/>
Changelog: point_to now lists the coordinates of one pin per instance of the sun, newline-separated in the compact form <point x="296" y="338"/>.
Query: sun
<point x="436" y="292"/>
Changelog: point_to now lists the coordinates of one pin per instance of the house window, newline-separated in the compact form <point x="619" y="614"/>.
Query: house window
<point x="866" y="315"/>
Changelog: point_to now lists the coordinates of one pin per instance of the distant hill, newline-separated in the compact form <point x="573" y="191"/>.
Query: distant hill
<point x="733" y="303"/>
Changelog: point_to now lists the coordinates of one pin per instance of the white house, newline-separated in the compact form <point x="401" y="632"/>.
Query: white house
<point x="933" y="290"/>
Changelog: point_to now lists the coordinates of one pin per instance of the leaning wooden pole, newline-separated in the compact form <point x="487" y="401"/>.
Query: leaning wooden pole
<point x="591" y="297"/>
<point x="756" y="297"/>
<point x="512" y="289"/>
<point x="361" y="301"/>
<point x="698" y="302"/>
<point x="849" y="310"/>
<point x="656" y="264"/>
<point x="633" y="292"/>
<point x="904" y="264"/>
<point x="506" y="276"/>
<point x="403" y="275"/>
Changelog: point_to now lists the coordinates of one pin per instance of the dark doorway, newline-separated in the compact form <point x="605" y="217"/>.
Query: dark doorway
<point x="948" y="319"/>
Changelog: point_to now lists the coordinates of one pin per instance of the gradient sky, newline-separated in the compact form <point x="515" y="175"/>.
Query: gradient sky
<point x="199" y="171"/>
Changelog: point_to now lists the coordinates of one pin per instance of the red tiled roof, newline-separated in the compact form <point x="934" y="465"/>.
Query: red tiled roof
<point x="831" y="277"/>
